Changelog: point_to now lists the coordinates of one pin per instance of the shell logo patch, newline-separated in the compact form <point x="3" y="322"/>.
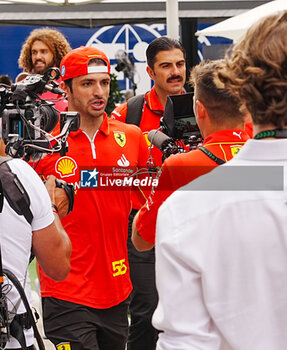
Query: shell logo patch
<point x="64" y="346"/>
<point x="146" y="138"/>
<point x="66" y="166"/>
<point x="120" y="138"/>
<point x="235" y="150"/>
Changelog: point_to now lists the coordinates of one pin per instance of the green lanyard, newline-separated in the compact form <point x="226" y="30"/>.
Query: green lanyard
<point x="217" y="160"/>
<point x="277" y="133"/>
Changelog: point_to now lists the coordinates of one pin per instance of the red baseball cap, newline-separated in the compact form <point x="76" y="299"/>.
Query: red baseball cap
<point x="75" y="63"/>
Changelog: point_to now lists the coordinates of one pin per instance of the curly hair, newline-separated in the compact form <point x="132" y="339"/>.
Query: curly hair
<point x="220" y="102"/>
<point x="55" y="40"/>
<point x="256" y="70"/>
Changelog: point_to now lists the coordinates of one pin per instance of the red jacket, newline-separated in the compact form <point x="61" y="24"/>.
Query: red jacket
<point x="180" y="169"/>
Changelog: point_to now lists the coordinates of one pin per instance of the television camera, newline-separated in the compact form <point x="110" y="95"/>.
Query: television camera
<point x="27" y="119"/>
<point x="178" y="130"/>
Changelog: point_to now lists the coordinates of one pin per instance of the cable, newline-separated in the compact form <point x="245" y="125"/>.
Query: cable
<point x="21" y="291"/>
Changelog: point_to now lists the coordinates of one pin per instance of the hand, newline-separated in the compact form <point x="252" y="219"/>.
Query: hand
<point x="58" y="196"/>
<point x="2" y="148"/>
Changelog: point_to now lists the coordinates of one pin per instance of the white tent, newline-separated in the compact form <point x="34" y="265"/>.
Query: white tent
<point x="171" y="10"/>
<point x="95" y="13"/>
<point x="49" y="2"/>
<point x="235" y="27"/>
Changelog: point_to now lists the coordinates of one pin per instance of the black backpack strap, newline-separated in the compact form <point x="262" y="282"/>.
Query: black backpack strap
<point x="217" y="160"/>
<point x="134" y="110"/>
<point x="14" y="191"/>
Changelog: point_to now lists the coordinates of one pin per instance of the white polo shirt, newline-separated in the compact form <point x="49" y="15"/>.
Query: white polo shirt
<point x="16" y="235"/>
<point x="221" y="259"/>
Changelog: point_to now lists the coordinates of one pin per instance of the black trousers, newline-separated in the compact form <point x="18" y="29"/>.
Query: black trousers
<point x="78" y="327"/>
<point x="144" y="297"/>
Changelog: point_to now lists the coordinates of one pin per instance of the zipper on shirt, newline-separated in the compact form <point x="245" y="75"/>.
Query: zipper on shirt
<point x="92" y="143"/>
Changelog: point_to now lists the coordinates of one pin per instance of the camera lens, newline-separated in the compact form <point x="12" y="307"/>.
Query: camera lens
<point x="49" y="118"/>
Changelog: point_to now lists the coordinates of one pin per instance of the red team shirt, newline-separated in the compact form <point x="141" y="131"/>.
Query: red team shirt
<point x="151" y="115"/>
<point x="179" y="170"/>
<point x="97" y="226"/>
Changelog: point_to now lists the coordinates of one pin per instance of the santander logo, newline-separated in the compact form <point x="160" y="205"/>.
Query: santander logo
<point x="123" y="161"/>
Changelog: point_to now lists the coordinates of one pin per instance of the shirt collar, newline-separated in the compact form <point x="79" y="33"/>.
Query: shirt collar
<point x="153" y="101"/>
<point x="104" y="128"/>
<point x="264" y="150"/>
<point x="229" y="135"/>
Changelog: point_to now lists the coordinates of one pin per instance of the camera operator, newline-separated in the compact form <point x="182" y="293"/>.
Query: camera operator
<point x="220" y="119"/>
<point x="45" y="235"/>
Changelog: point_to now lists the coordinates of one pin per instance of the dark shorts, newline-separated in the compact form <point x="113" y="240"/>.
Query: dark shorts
<point x="78" y="327"/>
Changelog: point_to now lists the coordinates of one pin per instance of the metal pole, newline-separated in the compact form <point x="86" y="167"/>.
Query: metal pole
<point x="172" y="21"/>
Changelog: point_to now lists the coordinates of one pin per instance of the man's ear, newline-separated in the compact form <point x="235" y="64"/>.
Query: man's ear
<point x="150" y="72"/>
<point x="64" y="86"/>
<point x="201" y="110"/>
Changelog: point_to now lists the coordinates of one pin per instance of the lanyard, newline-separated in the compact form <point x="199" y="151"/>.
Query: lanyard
<point x="277" y="133"/>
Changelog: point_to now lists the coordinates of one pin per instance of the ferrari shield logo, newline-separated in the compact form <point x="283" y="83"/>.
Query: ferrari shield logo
<point x="120" y="138"/>
<point x="235" y="150"/>
<point x="64" y="346"/>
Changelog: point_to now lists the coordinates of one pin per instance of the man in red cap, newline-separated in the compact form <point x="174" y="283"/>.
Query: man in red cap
<point x="166" y="67"/>
<point x="89" y="309"/>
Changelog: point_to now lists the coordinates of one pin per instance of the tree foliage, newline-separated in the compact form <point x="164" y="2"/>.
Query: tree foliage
<point x="115" y="94"/>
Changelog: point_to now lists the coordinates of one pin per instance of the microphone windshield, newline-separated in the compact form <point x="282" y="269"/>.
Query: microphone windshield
<point x="55" y="89"/>
<point x="157" y="138"/>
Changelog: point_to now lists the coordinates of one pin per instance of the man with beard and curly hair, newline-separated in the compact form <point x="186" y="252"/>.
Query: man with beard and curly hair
<point x="44" y="48"/>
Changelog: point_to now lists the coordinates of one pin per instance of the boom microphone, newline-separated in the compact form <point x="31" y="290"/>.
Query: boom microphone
<point x="166" y="144"/>
<point x="158" y="139"/>
<point x="55" y="89"/>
